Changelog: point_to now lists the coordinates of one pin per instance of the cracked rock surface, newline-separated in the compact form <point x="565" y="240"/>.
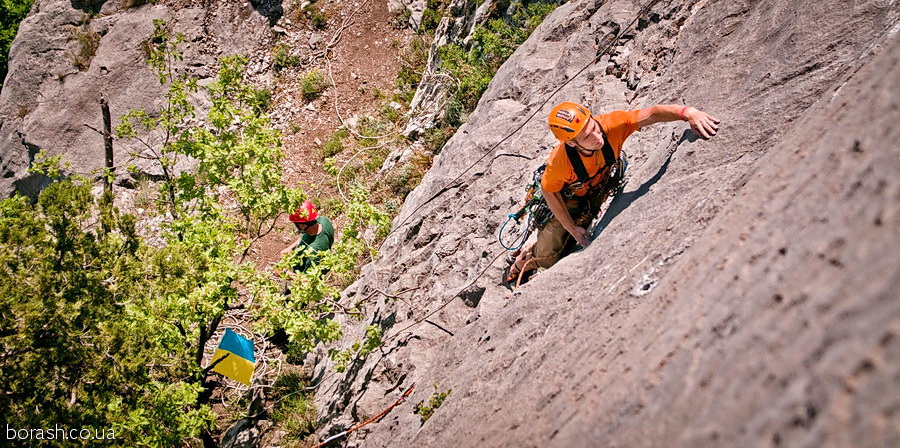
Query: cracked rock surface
<point x="737" y="293"/>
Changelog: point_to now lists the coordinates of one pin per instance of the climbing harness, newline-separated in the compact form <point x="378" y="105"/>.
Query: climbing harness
<point x="609" y="159"/>
<point x="539" y="212"/>
<point x="536" y="206"/>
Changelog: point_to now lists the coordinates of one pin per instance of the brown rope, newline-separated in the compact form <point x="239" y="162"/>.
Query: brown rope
<point x="381" y="414"/>
<point x="524" y="268"/>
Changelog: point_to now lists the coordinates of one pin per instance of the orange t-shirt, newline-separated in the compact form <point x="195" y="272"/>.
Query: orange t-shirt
<point x="618" y="125"/>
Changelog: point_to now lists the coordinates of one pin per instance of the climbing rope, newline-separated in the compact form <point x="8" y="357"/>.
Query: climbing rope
<point x="524" y="269"/>
<point x="535" y="206"/>
<point x="382" y="414"/>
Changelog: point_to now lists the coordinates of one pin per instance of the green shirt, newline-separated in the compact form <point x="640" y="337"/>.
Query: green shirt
<point x="311" y="244"/>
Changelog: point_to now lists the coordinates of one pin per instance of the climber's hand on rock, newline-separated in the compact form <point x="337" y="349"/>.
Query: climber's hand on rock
<point x="703" y="124"/>
<point x="581" y="236"/>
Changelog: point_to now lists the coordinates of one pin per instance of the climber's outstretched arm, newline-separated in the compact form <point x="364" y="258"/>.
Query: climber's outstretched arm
<point x="703" y="124"/>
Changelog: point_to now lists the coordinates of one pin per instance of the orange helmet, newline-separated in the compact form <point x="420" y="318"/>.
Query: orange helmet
<point x="306" y="212"/>
<point x="568" y="119"/>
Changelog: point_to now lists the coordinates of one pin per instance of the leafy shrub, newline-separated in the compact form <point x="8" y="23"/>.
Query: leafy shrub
<point x="413" y="59"/>
<point x="329" y="165"/>
<point x="390" y="113"/>
<point x="283" y="58"/>
<point x="359" y="350"/>
<point x="455" y="113"/>
<point x="89" y="323"/>
<point x="332" y="206"/>
<point x="294" y="409"/>
<point x="434" y="139"/>
<point x="259" y="100"/>
<point x="475" y="64"/>
<point x="431" y="17"/>
<point x="335" y="144"/>
<point x="377" y="156"/>
<point x="370" y="128"/>
<point x="402" y="180"/>
<point x="312" y="85"/>
<point x="350" y="173"/>
<point x="425" y="411"/>
<point x="317" y="18"/>
<point x="392" y="206"/>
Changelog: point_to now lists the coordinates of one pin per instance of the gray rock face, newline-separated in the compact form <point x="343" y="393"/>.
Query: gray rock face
<point x="738" y="293"/>
<point x="51" y="94"/>
<point x="415" y="8"/>
<point x="246" y="432"/>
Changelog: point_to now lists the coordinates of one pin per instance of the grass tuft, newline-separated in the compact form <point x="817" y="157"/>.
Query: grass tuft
<point x="88" y="42"/>
<point x="313" y="84"/>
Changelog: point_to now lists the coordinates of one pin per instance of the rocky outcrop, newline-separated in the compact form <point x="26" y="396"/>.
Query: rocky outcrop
<point x="67" y="53"/>
<point x="408" y="12"/>
<point x="737" y="293"/>
<point x="436" y="87"/>
<point x="430" y="100"/>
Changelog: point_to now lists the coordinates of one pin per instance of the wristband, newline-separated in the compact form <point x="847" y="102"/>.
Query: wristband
<point x="681" y="114"/>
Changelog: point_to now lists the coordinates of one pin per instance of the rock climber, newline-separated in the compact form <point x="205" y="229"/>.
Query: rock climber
<point x="316" y="235"/>
<point x="575" y="184"/>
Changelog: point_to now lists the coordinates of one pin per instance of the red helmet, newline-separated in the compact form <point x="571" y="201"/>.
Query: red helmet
<point x="568" y="119"/>
<point x="306" y="212"/>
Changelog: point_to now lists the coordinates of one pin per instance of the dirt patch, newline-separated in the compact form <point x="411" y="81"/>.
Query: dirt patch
<point x="360" y="68"/>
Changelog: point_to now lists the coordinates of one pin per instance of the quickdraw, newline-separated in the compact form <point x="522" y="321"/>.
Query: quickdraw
<point x="535" y="206"/>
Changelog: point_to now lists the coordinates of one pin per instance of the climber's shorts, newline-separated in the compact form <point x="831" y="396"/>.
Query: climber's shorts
<point x="553" y="241"/>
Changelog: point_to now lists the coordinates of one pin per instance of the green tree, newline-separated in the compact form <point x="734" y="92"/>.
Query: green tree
<point x="99" y="328"/>
<point x="82" y="341"/>
<point x="11" y="13"/>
